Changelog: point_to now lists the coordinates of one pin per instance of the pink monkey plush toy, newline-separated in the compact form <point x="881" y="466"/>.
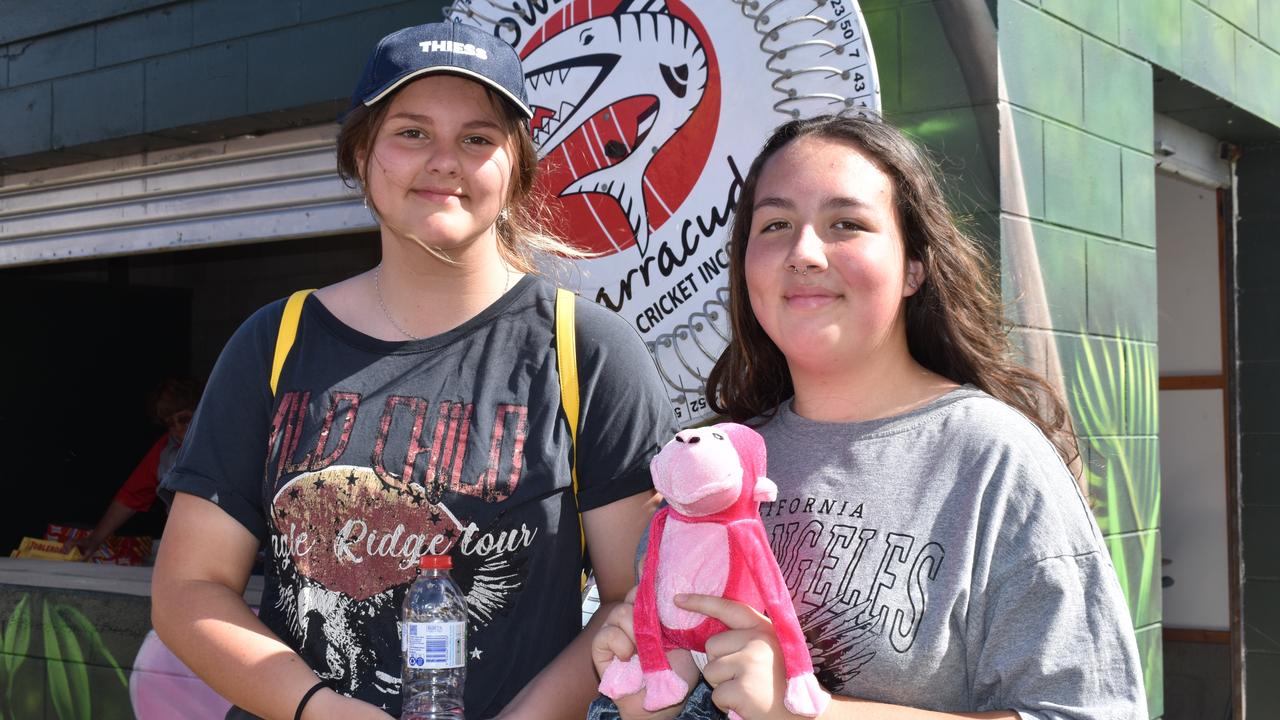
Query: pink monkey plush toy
<point x="709" y="540"/>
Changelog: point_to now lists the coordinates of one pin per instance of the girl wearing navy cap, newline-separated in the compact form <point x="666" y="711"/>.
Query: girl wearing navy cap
<point x="418" y="411"/>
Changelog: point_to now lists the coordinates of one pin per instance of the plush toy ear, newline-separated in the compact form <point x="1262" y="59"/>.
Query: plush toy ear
<point x="766" y="490"/>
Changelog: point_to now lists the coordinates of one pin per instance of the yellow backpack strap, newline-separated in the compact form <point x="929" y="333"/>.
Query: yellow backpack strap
<point x="287" y="333"/>
<point x="567" y="364"/>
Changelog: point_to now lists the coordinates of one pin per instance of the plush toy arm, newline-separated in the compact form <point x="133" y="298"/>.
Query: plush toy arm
<point x="620" y="679"/>
<point x="663" y="687"/>
<point x="749" y="536"/>
<point x="623" y="678"/>
<point x="648" y="628"/>
<point x="804" y="696"/>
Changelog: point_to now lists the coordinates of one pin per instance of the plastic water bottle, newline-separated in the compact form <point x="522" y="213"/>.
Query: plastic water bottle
<point x="434" y="640"/>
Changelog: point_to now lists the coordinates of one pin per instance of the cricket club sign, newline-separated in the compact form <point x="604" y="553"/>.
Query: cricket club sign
<point x="647" y="116"/>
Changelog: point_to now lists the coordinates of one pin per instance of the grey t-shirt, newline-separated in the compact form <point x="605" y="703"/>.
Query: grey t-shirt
<point x="944" y="559"/>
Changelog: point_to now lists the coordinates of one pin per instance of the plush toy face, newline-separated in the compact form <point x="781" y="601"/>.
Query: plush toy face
<point x="700" y="473"/>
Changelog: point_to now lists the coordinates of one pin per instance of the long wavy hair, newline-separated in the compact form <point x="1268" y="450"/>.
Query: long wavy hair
<point x="955" y="321"/>
<point x="524" y="226"/>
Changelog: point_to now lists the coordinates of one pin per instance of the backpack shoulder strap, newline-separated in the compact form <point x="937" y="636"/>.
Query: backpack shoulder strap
<point x="287" y="333"/>
<point x="567" y="364"/>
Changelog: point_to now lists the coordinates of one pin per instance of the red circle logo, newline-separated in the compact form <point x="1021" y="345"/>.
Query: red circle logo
<point x="626" y="106"/>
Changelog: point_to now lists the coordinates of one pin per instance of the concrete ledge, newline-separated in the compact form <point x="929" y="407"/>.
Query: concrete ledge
<point x="113" y="579"/>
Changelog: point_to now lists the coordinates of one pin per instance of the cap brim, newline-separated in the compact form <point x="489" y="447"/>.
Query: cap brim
<point x="452" y="70"/>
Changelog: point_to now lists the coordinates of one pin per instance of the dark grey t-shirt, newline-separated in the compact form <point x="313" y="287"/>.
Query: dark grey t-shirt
<point x="944" y="559"/>
<point x="373" y="452"/>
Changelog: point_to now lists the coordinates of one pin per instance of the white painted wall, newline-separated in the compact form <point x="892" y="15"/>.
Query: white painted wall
<point x="1190" y="307"/>
<point x="1193" y="509"/>
<point x="1192" y="454"/>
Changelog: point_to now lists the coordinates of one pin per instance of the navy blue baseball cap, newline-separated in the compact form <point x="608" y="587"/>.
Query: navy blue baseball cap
<point x="447" y="47"/>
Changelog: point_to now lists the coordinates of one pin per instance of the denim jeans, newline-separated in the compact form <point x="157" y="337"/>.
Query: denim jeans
<point x="697" y="707"/>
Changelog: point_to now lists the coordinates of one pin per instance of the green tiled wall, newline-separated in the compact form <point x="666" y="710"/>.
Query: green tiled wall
<point x="1100" y="18"/>
<point x="1079" y="105"/>
<point x="1022" y="185"/>
<point x="1133" y="462"/>
<point x="1208" y="49"/>
<point x="249" y="59"/>
<point x="1082" y="358"/>
<point x="1122" y="290"/>
<point x="1077" y="170"/>
<point x="1150" y="649"/>
<point x="26" y="694"/>
<point x="1081" y="180"/>
<point x="1074" y="186"/>
<point x="1048" y="76"/>
<point x="924" y="43"/>
<point x="1117" y="95"/>
<point x="1061" y="264"/>
<point x="925" y="92"/>
<point x="1241" y="13"/>
<point x="1269" y="24"/>
<point x="1258" y="66"/>
<point x="1128" y="552"/>
<point x="1152" y="29"/>
<point x="1138" y="197"/>
<point x="1131" y="553"/>
<point x="955" y="137"/>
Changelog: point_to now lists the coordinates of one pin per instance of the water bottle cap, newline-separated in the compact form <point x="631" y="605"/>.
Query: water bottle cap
<point x="435" y="562"/>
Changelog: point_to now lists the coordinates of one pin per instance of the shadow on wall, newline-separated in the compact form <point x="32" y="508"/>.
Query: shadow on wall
<point x="1197" y="681"/>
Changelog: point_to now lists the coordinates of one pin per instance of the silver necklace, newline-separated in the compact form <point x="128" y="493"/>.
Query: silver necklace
<point x="377" y="288"/>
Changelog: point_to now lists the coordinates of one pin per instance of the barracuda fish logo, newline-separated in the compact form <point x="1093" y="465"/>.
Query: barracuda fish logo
<point x="592" y="66"/>
<point x="647" y="116"/>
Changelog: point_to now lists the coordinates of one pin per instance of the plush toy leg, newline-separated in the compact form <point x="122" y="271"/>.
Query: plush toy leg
<point x="622" y="678"/>
<point x="805" y="696"/>
<point x="663" y="689"/>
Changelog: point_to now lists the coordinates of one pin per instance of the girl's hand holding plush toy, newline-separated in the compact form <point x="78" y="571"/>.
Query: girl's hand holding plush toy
<point x="708" y="547"/>
<point x="616" y="639"/>
<point x="745" y="662"/>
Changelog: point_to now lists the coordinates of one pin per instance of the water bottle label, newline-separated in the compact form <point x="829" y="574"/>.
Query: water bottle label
<point x="435" y="645"/>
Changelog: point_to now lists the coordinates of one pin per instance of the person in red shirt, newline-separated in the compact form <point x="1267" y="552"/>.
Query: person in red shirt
<point x="172" y="404"/>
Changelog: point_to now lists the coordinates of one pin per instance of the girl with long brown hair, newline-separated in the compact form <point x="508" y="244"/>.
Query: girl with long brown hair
<point x="939" y="553"/>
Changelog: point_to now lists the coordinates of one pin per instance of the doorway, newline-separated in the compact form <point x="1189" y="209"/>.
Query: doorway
<point x="1197" y="495"/>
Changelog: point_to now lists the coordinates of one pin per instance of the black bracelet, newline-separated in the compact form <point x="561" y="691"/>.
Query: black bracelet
<point x="297" y="715"/>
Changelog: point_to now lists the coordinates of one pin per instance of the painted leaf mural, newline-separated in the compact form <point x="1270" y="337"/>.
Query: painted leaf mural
<point x="54" y="663"/>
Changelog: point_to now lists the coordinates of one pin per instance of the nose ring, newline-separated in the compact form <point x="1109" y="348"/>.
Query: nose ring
<point x="796" y="271"/>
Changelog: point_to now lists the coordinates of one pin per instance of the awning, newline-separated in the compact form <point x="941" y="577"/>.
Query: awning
<point x="250" y="189"/>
